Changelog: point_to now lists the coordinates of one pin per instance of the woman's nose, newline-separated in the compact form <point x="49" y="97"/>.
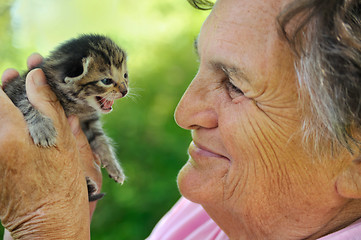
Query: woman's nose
<point x="196" y="109"/>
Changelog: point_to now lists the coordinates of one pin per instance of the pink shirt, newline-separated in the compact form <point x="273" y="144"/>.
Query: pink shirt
<point x="188" y="221"/>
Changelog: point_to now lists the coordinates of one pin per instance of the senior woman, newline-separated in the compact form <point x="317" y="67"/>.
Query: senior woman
<point x="274" y="115"/>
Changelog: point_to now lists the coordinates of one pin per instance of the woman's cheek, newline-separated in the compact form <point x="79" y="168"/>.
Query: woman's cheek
<point x="253" y="143"/>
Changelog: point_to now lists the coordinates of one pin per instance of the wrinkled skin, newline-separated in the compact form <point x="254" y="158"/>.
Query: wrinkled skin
<point x="43" y="193"/>
<point x="247" y="164"/>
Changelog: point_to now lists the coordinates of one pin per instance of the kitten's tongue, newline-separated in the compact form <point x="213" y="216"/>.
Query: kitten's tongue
<point x="106" y="104"/>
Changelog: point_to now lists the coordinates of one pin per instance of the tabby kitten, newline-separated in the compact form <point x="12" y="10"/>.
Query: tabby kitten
<point x="87" y="74"/>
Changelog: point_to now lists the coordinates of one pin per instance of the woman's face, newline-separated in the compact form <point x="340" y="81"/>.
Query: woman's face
<point x="247" y="166"/>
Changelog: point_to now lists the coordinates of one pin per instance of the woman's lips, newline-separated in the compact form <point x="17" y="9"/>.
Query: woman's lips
<point x="197" y="151"/>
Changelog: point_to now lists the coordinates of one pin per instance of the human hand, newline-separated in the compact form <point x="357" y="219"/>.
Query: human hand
<point x="90" y="163"/>
<point x="43" y="191"/>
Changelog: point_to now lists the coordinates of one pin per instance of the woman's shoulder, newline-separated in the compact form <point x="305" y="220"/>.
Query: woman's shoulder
<point x="352" y="232"/>
<point x="187" y="221"/>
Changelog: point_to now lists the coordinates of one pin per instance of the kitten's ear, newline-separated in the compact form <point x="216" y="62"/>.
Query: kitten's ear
<point x="78" y="71"/>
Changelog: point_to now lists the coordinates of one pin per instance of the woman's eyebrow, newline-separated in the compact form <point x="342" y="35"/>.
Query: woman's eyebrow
<point x="231" y="71"/>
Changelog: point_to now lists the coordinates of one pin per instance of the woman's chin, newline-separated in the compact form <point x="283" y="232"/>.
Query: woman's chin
<point x="200" y="185"/>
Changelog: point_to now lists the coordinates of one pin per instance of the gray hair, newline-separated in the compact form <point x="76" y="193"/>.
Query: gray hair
<point x="325" y="36"/>
<point x="327" y="42"/>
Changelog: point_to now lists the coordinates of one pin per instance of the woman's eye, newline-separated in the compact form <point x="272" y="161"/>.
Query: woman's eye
<point x="107" y="81"/>
<point x="233" y="91"/>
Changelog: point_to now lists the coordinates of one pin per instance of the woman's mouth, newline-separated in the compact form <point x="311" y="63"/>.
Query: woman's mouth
<point x="197" y="151"/>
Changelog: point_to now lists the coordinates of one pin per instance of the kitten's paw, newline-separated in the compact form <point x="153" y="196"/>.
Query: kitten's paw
<point x="92" y="190"/>
<point x="43" y="132"/>
<point x="115" y="171"/>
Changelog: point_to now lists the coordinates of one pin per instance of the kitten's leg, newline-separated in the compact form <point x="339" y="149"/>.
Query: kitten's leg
<point x="101" y="145"/>
<point x="41" y="128"/>
<point x="92" y="190"/>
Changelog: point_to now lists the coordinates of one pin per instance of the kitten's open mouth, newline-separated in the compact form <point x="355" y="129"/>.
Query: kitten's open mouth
<point x="104" y="104"/>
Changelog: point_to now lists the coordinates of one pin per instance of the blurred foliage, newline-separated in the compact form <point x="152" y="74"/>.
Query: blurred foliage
<point x="158" y="36"/>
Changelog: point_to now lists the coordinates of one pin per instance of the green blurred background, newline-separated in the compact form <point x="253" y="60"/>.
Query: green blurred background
<point x="158" y="36"/>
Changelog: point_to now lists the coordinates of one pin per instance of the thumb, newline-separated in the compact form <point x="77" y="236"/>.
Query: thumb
<point x="37" y="88"/>
<point x="42" y="97"/>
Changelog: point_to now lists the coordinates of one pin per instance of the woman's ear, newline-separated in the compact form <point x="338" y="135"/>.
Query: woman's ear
<point x="348" y="183"/>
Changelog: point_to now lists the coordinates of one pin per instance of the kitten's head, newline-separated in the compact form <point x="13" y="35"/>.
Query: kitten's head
<point x="91" y="69"/>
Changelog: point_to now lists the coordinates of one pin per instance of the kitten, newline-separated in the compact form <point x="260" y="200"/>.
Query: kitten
<point x="87" y="74"/>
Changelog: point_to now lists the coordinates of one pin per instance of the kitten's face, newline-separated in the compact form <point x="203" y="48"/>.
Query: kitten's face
<point x="100" y="83"/>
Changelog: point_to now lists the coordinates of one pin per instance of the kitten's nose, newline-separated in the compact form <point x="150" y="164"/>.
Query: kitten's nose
<point x="124" y="92"/>
<point x="123" y="89"/>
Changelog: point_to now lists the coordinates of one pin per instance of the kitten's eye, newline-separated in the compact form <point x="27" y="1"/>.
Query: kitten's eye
<point x="107" y="81"/>
<point x="125" y="75"/>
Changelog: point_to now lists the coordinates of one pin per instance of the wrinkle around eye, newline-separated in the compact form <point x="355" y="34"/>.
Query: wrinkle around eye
<point x="236" y="95"/>
<point x="233" y="91"/>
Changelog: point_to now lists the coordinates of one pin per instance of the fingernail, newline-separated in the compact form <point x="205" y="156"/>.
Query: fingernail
<point x="74" y="124"/>
<point x="38" y="77"/>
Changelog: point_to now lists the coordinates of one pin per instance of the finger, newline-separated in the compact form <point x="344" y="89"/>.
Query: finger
<point x="6" y="105"/>
<point x="34" y="60"/>
<point x="98" y="180"/>
<point x="10" y="116"/>
<point x="90" y="162"/>
<point x="8" y="75"/>
<point x="44" y="99"/>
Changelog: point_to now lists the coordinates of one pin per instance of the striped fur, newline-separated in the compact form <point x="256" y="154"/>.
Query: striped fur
<point x="87" y="74"/>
